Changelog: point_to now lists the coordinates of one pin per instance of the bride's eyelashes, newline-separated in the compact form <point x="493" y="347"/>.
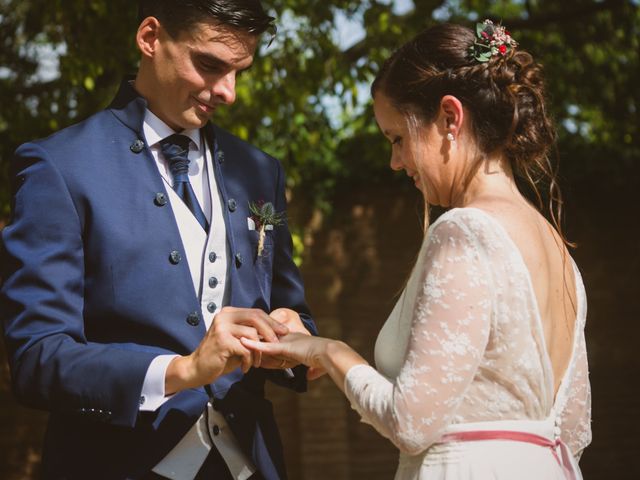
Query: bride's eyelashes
<point x="396" y="141"/>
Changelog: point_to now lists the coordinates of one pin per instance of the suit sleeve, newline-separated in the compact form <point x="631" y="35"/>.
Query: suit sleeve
<point x="53" y="365"/>
<point x="287" y="289"/>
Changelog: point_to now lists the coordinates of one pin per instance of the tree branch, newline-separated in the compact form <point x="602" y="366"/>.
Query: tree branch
<point x="358" y="50"/>
<point x="565" y="16"/>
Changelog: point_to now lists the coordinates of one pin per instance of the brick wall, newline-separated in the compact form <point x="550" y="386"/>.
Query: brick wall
<point x="355" y="264"/>
<point x="358" y="261"/>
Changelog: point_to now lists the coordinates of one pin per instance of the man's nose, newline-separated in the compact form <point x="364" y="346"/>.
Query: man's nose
<point x="224" y="88"/>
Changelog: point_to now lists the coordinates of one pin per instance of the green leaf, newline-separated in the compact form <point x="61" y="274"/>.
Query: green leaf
<point x="89" y="84"/>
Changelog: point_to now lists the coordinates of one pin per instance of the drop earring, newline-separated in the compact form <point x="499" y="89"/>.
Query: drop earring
<point x="452" y="139"/>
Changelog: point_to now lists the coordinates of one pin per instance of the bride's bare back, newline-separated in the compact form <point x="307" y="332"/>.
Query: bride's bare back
<point x="551" y="272"/>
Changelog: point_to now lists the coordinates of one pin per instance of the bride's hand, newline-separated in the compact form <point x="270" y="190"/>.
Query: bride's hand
<point x="315" y="373"/>
<point x="293" y="347"/>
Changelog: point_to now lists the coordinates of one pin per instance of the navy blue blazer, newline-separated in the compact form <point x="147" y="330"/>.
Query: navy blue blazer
<point x="93" y="290"/>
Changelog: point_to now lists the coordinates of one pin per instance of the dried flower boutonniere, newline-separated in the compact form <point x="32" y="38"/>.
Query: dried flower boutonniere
<point x="265" y="217"/>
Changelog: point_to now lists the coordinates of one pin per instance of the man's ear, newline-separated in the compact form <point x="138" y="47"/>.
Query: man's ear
<point x="148" y="35"/>
<point x="451" y="115"/>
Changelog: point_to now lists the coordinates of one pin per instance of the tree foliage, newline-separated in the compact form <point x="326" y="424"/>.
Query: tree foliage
<point x="303" y="99"/>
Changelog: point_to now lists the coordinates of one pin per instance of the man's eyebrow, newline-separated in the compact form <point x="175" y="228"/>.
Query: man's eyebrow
<point x="212" y="59"/>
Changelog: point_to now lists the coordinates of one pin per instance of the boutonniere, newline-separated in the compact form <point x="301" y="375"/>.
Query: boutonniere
<point x="265" y="217"/>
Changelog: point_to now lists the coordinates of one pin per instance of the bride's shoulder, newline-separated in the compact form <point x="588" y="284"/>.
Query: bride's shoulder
<point x="467" y="228"/>
<point x="471" y="219"/>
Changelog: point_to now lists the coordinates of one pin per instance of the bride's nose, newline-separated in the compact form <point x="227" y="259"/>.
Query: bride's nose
<point x="396" y="162"/>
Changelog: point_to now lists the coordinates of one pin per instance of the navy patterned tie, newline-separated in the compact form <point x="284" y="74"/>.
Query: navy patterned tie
<point x="175" y="149"/>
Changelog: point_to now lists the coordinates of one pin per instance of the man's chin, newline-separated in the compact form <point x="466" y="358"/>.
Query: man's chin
<point x="196" y="119"/>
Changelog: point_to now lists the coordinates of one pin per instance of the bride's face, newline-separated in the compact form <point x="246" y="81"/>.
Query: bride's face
<point x="417" y="151"/>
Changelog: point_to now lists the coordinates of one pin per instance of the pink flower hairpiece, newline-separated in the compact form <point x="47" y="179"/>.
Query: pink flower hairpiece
<point x="491" y="40"/>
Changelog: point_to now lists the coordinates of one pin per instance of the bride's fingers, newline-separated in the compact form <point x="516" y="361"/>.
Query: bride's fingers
<point x="264" y="347"/>
<point x="277" y="363"/>
<point x="314" y="373"/>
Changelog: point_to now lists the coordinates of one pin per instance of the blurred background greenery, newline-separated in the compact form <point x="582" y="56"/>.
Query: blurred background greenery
<point x="306" y="102"/>
<point x="306" y="99"/>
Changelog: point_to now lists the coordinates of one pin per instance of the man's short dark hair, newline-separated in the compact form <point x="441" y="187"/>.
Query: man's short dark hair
<point x="177" y="16"/>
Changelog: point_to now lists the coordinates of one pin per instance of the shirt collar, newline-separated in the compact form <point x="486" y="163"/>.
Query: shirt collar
<point x="155" y="130"/>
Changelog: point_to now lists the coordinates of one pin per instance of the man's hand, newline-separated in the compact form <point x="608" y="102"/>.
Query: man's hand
<point x="291" y="319"/>
<point x="220" y="351"/>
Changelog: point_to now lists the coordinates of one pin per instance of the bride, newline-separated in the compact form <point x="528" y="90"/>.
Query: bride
<point x="481" y="366"/>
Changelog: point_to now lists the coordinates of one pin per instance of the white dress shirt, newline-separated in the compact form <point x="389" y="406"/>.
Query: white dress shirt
<point x="207" y="259"/>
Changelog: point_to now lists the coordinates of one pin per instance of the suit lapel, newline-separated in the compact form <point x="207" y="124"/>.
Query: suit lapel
<point x="129" y="108"/>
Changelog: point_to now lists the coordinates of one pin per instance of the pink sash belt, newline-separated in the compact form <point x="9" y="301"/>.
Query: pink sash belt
<point x="563" y="459"/>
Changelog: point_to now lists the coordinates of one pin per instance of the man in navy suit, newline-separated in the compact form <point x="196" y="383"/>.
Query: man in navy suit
<point x="132" y="266"/>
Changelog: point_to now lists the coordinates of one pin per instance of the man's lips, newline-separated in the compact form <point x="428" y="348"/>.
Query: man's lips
<point x="205" y="107"/>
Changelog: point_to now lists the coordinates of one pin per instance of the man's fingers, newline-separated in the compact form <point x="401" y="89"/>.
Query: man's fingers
<point x="246" y="361"/>
<point x="279" y="328"/>
<point x="280" y="315"/>
<point x="267" y="327"/>
<point x="257" y="359"/>
<point x="246" y="331"/>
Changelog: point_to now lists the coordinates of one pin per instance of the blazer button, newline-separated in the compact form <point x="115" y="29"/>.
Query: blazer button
<point x="213" y="282"/>
<point x="213" y="257"/>
<point x="211" y="307"/>
<point x="232" y="204"/>
<point x="175" y="257"/>
<point x="161" y="199"/>
<point x="193" y="319"/>
<point x="220" y="156"/>
<point x="238" y="260"/>
<point x="216" y="430"/>
<point x="137" y="146"/>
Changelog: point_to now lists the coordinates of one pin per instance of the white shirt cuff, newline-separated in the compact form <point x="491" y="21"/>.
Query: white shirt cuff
<point x="152" y="395"/>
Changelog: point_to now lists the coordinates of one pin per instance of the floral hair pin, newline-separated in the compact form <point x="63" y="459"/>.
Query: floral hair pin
<point x="491" y="40"/>
<point x="265" y="217"/>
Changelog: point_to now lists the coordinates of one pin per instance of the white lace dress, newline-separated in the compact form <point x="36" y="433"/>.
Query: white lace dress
<point x="463" y="350"/>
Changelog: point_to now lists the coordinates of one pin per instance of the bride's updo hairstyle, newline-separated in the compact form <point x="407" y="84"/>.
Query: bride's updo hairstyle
<point x="503" y="93"/>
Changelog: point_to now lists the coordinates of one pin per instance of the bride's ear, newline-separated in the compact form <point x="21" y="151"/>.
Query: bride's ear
<point x="451" y="116"/>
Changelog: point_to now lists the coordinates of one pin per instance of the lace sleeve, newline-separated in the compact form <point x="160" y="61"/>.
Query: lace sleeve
<point x="576" y="414"/>
<point x="449" y="332"/>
